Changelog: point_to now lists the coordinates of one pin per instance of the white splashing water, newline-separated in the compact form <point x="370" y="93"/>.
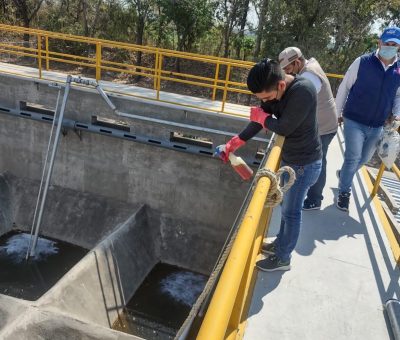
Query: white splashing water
<point x="184" y="287"/>
<point x="17" y="246"/>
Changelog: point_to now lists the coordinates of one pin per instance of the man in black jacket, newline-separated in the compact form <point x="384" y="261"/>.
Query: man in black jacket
<point x="289" y="109"/>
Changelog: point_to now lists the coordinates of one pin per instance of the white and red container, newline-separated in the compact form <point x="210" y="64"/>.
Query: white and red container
<point x="240" y="166"/>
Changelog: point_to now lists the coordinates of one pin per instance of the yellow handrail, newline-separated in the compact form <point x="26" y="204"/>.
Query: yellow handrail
<point x="227" y="307"/>
<point x="388" y="226"/>
<point x="110" y="43"/>
<point x="158" y="73"/>
<point x="396" y="171"/>
<point x="385" y="222"/>
<point x="97" y="60"/>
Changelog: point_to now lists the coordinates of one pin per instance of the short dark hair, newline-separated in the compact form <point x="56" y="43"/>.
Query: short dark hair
<point x="264" y="76"/>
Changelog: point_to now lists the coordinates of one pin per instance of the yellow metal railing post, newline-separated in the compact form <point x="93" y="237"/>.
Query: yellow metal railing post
<point x="98" y="61"/>
<point x="396" y="170"/>
<point x="227" y="77"/>
<point x="47" y="52"/>
<point x="39" y="54"/>
<point x="215" y="81"/>
<point x="155" y="79"/>
<point x="231" y="283"/>
<point x="214" y="84"/>
<point x="159" y="68"/>
<point x="378" y="180"/>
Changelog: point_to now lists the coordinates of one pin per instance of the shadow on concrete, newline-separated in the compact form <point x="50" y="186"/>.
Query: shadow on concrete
<point x="363" y="204"/>
<point x="328" y="224"/>
<point x="266" y="284"/>
<point x="392" y="290"/>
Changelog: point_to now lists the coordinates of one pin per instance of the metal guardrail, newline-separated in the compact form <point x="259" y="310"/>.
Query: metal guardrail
<point x="387" y="224"/>
<point x="390" y="233"/>
<point x="224" y="68"/>
<point x="43" y="53"/>
<point x="227" y="311"/>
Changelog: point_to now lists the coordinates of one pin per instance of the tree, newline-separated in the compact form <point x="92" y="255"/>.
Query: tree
<point x="242" y="23"/>
<point x="229" y="15"/>
<point x="262" y="17"/>
<point x="143" y="10"/>
<point x="25" y="11"/>
<point x="191" y="18"/>
<point x="392" y="14"/>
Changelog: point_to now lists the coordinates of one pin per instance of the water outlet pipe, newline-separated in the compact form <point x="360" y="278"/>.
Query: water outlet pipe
<point x="53" y="149"/>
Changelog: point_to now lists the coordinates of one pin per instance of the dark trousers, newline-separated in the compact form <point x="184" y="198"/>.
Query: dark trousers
<point x="314" y="194"/>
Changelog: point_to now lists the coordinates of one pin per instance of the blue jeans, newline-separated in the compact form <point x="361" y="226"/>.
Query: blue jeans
<point x="292" y="205"/>
<point x="314" y="194"/>
<point x="360" y="143"/>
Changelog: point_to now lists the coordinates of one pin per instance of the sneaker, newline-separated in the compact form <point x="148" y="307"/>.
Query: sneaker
<point x="268" y="248"/>
<point x="307" y="205"/>
<point x="342" y="201"/>
<point x="272" y="263"/>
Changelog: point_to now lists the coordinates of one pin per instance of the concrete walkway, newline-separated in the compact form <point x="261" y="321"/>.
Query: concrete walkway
<point x="167" y="98"/>
<point x="342" y="272"/>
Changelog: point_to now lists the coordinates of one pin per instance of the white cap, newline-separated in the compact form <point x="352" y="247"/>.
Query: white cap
<point x="288" y="55"/>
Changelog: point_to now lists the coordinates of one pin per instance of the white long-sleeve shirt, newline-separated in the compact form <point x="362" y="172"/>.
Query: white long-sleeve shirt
<point x="349" y="80"/>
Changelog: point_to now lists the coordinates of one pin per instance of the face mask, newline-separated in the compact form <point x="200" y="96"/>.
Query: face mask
<point x="295" y="65"/>
<point x="275" y="100"/>
<point x="388" y="52"/>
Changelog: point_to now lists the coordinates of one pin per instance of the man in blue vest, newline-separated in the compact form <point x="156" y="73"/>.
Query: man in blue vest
<point x="368" y="96"/>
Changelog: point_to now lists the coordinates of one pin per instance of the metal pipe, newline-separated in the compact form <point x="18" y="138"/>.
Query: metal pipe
<point x="180" y="125"/>
<point x="44" y="172"/>
<point x="392" y="307"/>
<point x="105" y="97"/>
<point x="51" y="164"/>
<point x="84" y="81"/>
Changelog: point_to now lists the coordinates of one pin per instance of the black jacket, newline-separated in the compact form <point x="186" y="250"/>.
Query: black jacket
<point x="295" y="119"/>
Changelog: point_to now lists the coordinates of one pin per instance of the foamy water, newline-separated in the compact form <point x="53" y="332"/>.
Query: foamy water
<point x="17" y="246"/>
<point x="184" y="287"/>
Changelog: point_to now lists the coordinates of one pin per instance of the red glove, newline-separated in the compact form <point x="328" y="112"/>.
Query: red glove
<point x="233" y="144"/>
<point x="258" y="115"/>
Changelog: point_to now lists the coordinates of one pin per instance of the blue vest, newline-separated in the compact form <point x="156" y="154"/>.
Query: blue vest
<point x="370" y="100"/>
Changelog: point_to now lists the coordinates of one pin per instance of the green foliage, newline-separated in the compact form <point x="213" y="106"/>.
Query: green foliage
<point x="191" y="18"/>
<point x="245" y="44"/>
<point x="335" y="32"/>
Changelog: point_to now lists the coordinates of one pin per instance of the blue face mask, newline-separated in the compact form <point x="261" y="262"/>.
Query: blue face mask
<point x="388" y="52"/>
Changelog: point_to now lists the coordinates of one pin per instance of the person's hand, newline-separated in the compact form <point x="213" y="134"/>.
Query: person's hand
<point x="258" y="115"/>
<point x="340" y="120"/>
<point x="232" y="145"/>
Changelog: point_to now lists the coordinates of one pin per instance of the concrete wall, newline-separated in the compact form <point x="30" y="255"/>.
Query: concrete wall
<point x="72" y="216"/>
<point x="101" y="284"/>
<point x="195" y="198"/>
<point x="84" y="102"/>
<point x="28" y="323"/>
<point x="6" y="206"/>
<point x="176" y="183"/>
<point x="146" y="203"/>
